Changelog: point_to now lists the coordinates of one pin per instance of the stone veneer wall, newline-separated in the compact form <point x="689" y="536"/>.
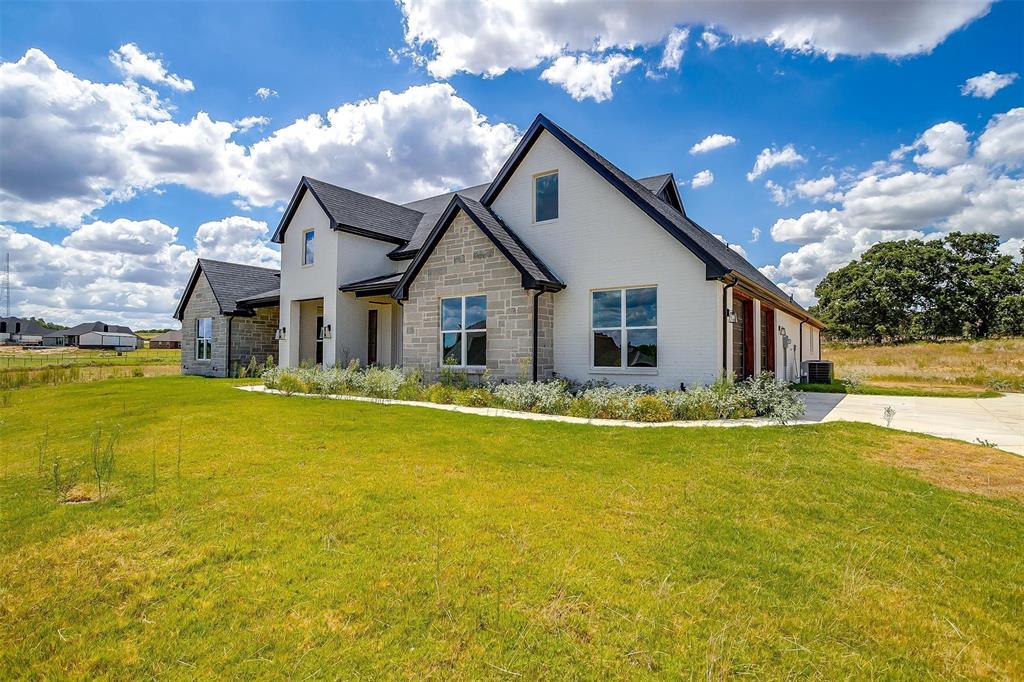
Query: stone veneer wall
<point x="466" y="262"/>
<point x="249" y="335"/>
<point x="254" y="336"/>
<point x="202" y="303"/>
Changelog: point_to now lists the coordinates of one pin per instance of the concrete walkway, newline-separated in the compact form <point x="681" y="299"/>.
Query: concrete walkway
<point x="995" y="420"/>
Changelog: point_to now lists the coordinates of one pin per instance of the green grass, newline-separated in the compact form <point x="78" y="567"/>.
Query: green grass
<point x="19" y="358"/>
<point x="871" y="389"/>
<point x="310" y="538"/>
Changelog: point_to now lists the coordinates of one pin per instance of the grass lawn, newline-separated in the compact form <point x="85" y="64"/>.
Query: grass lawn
<point x="301" y="538"/>
<point x="950" y="368"/>
<point x="17" y="357"/>
<point x="871" y="389"/>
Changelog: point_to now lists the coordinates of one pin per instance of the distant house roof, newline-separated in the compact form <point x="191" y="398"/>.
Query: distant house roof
<point x="231" y="283"/>
<point x="87" y="327"/>
<point x="28" y="327"/>
<point x="171" y="337"/>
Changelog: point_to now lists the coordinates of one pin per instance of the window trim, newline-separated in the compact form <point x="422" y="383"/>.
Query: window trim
<point x="533" y="195"/>
<point x="201" y="339"/>
<point x="624" y="367"/>
<point x="312" y="262"/>
<point x="462" y="332"/>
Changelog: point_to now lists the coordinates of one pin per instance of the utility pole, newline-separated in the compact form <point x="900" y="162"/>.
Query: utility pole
<point x="5" y="286"/>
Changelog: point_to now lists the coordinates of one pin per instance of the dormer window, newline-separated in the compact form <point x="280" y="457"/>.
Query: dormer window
<point x="307" y="247"/>
<point x="545" y="197"/>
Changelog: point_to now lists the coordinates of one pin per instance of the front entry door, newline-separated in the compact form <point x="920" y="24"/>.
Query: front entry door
<point x="319" y="339"/>
<point x="371" y="338"/>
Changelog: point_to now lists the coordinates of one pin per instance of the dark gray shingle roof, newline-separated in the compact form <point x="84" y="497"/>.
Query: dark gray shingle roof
<point x="535" y="274"/>
<point x="28" y="327"/>
<point x="231" y="284"/>
<point x="508" y="241"/>
<point x="655" y="183"/>
<point x="432" y="208"/>
<point x="704" y="239"/>
<point x="87" y="327"/>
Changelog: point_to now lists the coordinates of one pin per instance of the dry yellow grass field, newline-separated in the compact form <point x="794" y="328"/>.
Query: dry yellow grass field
<point x="951" y="366"/>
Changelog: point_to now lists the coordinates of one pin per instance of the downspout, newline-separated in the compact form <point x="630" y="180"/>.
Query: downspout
<point x="800" y="331"/>
<point x="725" y="326"/>
<point x="536" y="327"/>
<point x="227" y="367"/>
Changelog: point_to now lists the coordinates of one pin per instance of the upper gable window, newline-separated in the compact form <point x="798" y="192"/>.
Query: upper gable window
<point x="307" y="247"/>
<point x="545" y="197"/>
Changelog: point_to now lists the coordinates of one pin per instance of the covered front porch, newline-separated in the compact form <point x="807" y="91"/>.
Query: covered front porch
<point x="336" y="330"/>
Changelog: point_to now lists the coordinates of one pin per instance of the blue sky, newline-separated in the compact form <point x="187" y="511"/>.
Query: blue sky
<point x="106" y="183"/>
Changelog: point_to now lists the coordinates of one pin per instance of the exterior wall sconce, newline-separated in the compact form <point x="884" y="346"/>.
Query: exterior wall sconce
<point x="731" y="316"/>
<point x="327" y="332"/>
<point x="281" y="334"/>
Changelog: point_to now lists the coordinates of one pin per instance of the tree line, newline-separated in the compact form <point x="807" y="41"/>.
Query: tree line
<point x="958" y="286"/>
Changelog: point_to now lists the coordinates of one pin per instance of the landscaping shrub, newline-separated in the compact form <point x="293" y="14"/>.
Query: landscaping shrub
<point x="651" y="408"/>
<point x="291" y="383"/>
<point x="383" y="382"/>
<point x="770" y="399"/>
<point x="474" y="397"/>
<point x="440" y="394"/>
<point x="608" y="401"/>
<point x="548" y="397"/>
<point x="758" y="396"/>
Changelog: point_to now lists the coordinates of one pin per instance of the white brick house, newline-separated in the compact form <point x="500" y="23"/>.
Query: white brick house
<point x="563" y="265"/>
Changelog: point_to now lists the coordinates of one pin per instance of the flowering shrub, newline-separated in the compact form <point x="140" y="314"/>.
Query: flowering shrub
<point x="549" y="397"/>
<point x="758" y="396"/>
<point x="382" y="382"/>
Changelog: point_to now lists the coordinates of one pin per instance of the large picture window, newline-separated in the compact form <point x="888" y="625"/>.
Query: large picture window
<point x="545" y="197"/>
<point x="307" y="247"/>
<point x="624" y="328"/>
<point x="464" y="331"/>
<point x="204" y="338"/>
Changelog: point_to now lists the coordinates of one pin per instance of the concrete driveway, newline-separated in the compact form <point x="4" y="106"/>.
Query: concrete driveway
<point x="995" y="420"/>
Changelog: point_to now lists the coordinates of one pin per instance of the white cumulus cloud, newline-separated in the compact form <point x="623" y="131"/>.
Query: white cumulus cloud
<point x="489" y="38"/>
<point x="136" y="64"/>
<point x="987" y="84"/>
<point x="71" y="146"/>
<point x="770" y="158"/>
<point x="583" y="77"/>
<point x="702" y="179"/>
<point x="814" y="189"/>
<point x="675" y="46"/>
<point x="953" y="189"/>
<point x="265" y="93"/>
<point x="712" y="142"/>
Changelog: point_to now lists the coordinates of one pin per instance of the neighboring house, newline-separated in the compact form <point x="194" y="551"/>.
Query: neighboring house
<point x="229" y="315"/>
<point x="563" y="265"/>
<point x="95" y="335"/>
<point x="21" y="331"/>
<point x="167" y="340"/>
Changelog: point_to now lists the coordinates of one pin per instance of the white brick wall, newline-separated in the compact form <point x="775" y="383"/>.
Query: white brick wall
<point x="602" y="240"/>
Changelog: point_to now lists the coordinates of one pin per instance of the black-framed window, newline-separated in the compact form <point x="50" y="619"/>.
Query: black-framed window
<point x="307" y="247"/>
<point x="464" y="331"/>
<point x="624" y="328"/>
<point x="204" y="338"/>
<point x="545" y="197"/>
